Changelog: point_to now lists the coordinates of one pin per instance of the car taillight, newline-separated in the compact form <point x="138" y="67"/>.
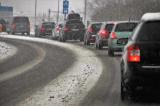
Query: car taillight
<point x="103" y="33"/>
<point x="57" y="29"/>
<point x="113" y="35"/>
<point x="133" y="54"/>
<point x="13" y="26"/>
<point x="43" y="29"/>
<point x="90" y="29"/>
<point x="66" y="29"/>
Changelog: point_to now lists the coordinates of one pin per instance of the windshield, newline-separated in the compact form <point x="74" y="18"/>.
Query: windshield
<point x="150" y="31"/>
<point x="125" y="27"/>
<point x="96" y="27"/>
<point x="21" y="20"/>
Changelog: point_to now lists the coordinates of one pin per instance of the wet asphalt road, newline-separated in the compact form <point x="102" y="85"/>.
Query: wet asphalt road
<point x="107" y="90"/>
<point x="105" y="93"/>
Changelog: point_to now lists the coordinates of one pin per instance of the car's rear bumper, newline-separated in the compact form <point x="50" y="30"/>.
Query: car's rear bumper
<point x="139" y="76"/>
<point x="92" y="39"/>
<point x="115" y="46"/>
<point x="74" y="34"/>
<point x="104" y="42"/>
<point x="21" y="31"/>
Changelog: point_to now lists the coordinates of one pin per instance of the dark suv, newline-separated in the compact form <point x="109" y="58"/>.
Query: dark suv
<point x="72" y="30"/>
<point x="46" y="29"/>
<point x="20" y="24"/>
<point x="140" y="63"/>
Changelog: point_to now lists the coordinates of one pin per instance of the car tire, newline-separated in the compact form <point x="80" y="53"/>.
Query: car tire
<point x="100" y="46"/>
<point x="122" y="92"/>
<point x="63" y="39"/>
<point x="28" y="33"/>
<point x="13" y="33"/>
<point x="87" y="42"/>
<point x="81" y="39"/>
<point x="110" y="52"/>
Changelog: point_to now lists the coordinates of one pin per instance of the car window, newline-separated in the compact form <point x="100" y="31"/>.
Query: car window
<point x="21" y="19"/>
<point x="73" y="16"/>
<point x="96" y="26"/>
<point x="47" y="25"/>
<point x="123" y="27"/>
<point x="109" y="27"/>
<point x="150" y="31"/>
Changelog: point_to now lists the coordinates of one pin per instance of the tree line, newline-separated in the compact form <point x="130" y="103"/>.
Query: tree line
<point x="105" y="10"/>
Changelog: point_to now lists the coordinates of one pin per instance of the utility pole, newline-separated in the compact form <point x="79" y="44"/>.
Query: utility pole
<point x="85" y="10"/>
<point x="49" y="15"/>
<point x="35" y="12"/>
<point x="58" y="12"/>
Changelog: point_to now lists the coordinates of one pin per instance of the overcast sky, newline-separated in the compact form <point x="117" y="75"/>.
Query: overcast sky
<point x="26" y="7"/>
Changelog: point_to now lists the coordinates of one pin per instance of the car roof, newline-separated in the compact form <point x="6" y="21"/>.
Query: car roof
<point x="95" y="22"/>
<point x="150" y="17"/>
<point x="118" y="22"/>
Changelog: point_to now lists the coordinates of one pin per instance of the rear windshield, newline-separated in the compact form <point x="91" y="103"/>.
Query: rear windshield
<point x="150" y="31"/>
<point x="47" y="25"/>
<point x="73" y="16"/>
<point x="96" y="26"/>
<point x="74" y="22"/>
<point x="21" y="19"/>
<point x="125" y="27"/>
<point x="50" y="23"/>
<point x="109" y="27"/>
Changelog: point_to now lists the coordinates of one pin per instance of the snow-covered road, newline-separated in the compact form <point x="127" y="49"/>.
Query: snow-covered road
<point x="73" y="85"/>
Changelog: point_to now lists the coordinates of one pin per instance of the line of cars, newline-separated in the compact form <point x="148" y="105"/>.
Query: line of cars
<point x="71" y="29"/>
<point x="140" y="46"/>
<point x="140" y="62"/>
<point x="112" y="34"/>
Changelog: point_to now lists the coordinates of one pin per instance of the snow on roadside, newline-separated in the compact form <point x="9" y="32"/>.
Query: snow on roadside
<point x="72" y="86"/>
<point x="6" y="51"/>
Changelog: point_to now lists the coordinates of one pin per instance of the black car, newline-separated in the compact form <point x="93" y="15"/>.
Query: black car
<point x="46" y="29"/>
<point x="90" y="34"/>
<point x="140" y="63"/>
<point x="20" y="24"/>
<point x="72" y="30"/>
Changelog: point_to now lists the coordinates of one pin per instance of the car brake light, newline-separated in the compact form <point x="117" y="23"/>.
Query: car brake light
<point x="13" y="26"/>
<point x="43" y="29"/>
<point x="90" y="29"/>
<point x="57" y="29"/>
<point x="103" y="33"/>
<point x="113" y="35"/>
<point x="66" y="29"/>
<point x="133" y="54"/>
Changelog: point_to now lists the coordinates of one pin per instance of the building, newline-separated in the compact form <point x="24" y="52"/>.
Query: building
<point x="6" y="12"/>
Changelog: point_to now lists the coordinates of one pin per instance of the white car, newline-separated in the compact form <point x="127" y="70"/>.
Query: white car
<point x="56" y="31"/>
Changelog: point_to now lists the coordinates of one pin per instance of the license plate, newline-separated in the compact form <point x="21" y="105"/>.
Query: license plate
<point x="75" y="29"/>
<point x="122" y="41"/>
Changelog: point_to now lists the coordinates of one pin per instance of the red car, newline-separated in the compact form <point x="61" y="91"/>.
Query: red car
<point x="91" y="32"/>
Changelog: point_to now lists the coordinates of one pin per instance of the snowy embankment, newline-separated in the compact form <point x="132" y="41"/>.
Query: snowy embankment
<point x="73" y="85"/>
<point x="6" y="51"/>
